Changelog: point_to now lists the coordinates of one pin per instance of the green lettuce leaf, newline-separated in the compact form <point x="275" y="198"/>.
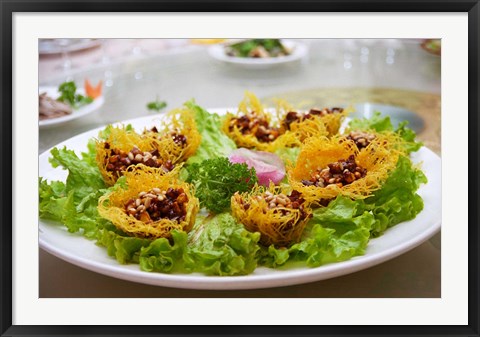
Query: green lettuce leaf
<point x="324" y="245"/>
<point x="343" y="215"/>
<point x="52" y="199"/>
<point x="335" y="233"/>
<point x="397" y="200"/>
<point x="221" y="246"/>
<point x="83" y="178"/>
<point x="380" y="123"/>
<point x="90" y="155"/>
<point x="376" y="122"/>
<point x="73" y="203"/>
<point x="123" y="248"/>
<point x="289" y="155"/>
<point x="408" y="135"/>
<point x="105" y="133"/>
<point x="214" y="142"/>
<point x="162" y="256"/>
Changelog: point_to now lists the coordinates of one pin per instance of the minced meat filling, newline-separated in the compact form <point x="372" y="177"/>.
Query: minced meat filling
<point x="252" y="124"/>
<point x="294" y="116"/>
<point x="178" y="138"/>
<point x="341" y="173"/>
<point x="119" y="160"/>
<point x="361" y="139"/>
<point x="157" y="204"/>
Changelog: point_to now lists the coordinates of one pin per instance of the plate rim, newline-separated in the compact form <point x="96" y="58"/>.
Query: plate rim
<point x="251" y="281"/>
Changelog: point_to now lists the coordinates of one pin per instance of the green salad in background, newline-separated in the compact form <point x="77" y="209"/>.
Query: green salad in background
<point x="217" y="242"/>
<point x="258" y="48"/>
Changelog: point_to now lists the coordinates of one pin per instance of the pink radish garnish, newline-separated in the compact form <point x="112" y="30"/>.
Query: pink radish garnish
<point x="268" y="166"/>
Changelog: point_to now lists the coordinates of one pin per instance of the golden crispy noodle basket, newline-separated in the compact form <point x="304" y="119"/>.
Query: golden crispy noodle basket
<point x="143" y="178"/>
<point x="251" y="105"/>
<point x="249" y="141"/>
<point x="318" y="152"/>
<point x="282" y="107"/>
<point x="334" y="121"/>
<point x="182" y="122"/>
<point x="312" y="127"/>
<point x="388" y="139"/>
<point x="275" y="228"/>
<point x="125" y="139"/>
<point x="316" y="125"/>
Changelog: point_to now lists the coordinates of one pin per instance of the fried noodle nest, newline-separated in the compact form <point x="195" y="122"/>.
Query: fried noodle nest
<point x="279" y="226"/>
<point x="318" y="152"/>
<point x="141" y="178"/>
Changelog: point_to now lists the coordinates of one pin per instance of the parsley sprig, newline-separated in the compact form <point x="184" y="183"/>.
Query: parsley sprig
<point x="216" y="180"/>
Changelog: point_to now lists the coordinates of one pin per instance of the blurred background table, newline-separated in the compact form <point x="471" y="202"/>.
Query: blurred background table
<point x="335" y="72"/>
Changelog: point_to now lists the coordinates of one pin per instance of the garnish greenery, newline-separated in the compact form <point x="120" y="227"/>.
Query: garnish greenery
<point x="156" y="105"/>
<point x="244" y="48"/>
<point x="216" y="180"/>
<point x="68" y="95"/>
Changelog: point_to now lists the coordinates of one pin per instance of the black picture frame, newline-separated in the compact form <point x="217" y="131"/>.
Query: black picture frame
<point x="9" y="7"/>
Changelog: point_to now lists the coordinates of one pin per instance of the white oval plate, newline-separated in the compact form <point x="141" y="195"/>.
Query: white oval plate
<point x="397" y="240"/>
<point x="83" y="111"/>
<point x="299" y="50"/>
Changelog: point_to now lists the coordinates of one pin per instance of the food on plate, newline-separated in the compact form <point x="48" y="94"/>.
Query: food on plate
<point x="269" y="168"/>
<point x="188" y="195"/>
<point x="309" y="123"/>
<point x="91" y="91"/>
<point x="253" y="127"/>
<point x="433" y="46"/>
<point x="179" y="125"/>
<point x="165" y="146"/>
<point x="66" y="100"/>
<point x="279" y="216"/>
<point x="121" y="147"/>
<point x="329" y="167"/>
<point x="217" y="179"/>
<point x="150" y="205"/>
<point x="214" y="142"/>
<point x="400" y="139"/>
<point x="361" y="139"/>
<point x="258" y="48"/>
<point x="51" y="108"/>
<point x="68" y="94"/>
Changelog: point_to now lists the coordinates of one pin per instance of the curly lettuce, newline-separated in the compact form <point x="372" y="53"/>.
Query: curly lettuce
<point x="335" y="233"/>
<point x="222" y="246"/>
<point x="162" y="256"/>
<point x="73" y="203"/>
<point x="214" y="142"/>
<point x="380" y="123"/>
<point x="397" y="200"/>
